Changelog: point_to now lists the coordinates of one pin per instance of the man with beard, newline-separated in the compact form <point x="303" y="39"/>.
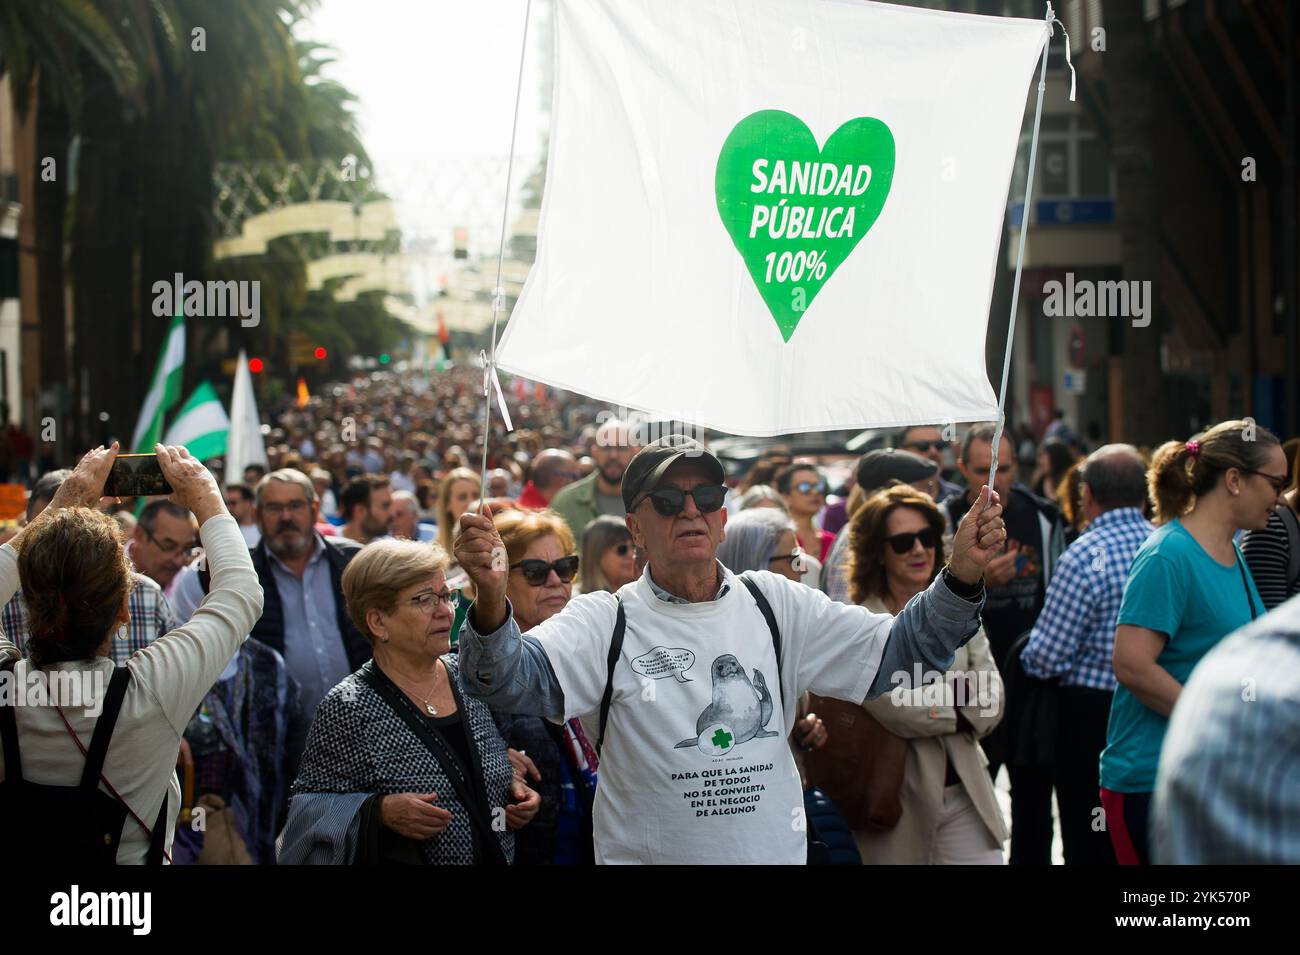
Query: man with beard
<point x="304" y="617"/>
<point x="598" y="493"/>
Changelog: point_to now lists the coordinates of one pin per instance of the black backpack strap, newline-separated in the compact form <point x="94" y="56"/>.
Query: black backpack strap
<point x="158" y="837"/>
<point x="99" y="741"/>
<point x="9" y="734"/>
<point x="765" y="609"/>
<point x="611" y="661"/>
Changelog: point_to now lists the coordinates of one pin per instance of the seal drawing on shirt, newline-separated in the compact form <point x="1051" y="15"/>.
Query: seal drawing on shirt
<point x="739" y="710"/>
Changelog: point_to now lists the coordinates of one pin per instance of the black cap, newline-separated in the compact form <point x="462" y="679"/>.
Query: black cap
<point x="877" y="468"/>
<point x="647" y="468"/>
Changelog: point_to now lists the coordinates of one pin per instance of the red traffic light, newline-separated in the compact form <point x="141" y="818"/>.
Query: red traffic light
<point x="255" y="365"/>
<point x="320" y="353"/>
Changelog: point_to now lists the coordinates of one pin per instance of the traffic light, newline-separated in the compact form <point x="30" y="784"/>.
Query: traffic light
<point x="320" y="353"/>
<point x="255" y="365"/>
<point x="384" y="359"/>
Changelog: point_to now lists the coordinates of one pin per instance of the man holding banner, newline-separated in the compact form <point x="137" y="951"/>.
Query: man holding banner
<point x="697" y="768"/>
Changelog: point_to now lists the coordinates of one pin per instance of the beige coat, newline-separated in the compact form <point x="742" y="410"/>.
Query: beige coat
<point x="931" y="729"/>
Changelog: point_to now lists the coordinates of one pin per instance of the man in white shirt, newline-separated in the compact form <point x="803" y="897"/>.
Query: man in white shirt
<point x="700" y="696"/>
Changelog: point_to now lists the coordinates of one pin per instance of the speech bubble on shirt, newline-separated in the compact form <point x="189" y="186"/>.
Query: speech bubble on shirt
<point x="665" y="661"/>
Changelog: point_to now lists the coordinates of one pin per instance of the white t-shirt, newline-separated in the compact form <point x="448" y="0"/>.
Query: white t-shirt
<point x="696" y="767"/>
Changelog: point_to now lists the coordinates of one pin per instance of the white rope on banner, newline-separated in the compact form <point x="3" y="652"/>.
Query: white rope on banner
<point x="1024" y="229"/>
<point x="491" y="381"/>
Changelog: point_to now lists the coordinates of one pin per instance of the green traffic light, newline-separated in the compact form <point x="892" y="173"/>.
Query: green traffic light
<point x="383" y="359"/>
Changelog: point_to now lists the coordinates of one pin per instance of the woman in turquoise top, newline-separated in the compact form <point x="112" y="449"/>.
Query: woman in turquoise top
<point x="1188" y="588"/>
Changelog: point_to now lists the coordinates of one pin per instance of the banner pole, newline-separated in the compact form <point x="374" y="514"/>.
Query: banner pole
<point x="490" y="379"/>
<point x="1020" y="254"/>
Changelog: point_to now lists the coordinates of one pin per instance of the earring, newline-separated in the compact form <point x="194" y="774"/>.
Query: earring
<point x="121" y="632"/>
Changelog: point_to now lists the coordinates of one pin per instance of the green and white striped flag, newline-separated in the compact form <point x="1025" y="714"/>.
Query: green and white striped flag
<point x="164" y="388"/>
<point x="201" y="425"/>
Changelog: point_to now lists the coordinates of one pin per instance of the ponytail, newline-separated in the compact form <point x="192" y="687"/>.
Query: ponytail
<point x="1183" y="471"/>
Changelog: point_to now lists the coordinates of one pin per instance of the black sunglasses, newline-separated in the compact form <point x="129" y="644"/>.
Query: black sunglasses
<point x="902" y="543"/>
<point x="671" y="501"/>
<point x="924" y="446"/>
<point x="537" y="571"/>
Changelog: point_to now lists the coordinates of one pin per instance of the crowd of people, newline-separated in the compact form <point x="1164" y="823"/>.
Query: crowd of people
<point x="616" y="651"/>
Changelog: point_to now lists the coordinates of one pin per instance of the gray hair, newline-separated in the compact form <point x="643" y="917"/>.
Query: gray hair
<point x="286" y="476"/>
<point x="405" y="495"/>
<point x="758" y="493"/>
<point x="43" y="491"/>
<point x="1116" y="476"/>
<point x="751" y="539"/>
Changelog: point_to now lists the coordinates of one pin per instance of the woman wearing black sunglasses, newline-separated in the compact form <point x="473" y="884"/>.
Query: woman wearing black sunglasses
<point x="950" y="813"/>
<point x="543" y="565"/>
<point x="609" y="558"/>
<point x="804" y="491"/>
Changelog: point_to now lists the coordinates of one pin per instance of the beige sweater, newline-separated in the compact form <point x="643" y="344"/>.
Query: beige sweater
<point x="169" y="679"/>
<point x="933" y="741"/>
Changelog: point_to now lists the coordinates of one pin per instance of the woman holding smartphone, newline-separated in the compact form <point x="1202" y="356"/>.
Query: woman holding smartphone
<point x="1188" y="588"/>
<point x="93" y="780"/>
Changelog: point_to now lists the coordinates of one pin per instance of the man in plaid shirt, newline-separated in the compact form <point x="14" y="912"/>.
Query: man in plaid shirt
<point x="1074" y="637"/>
<point x="151" y="615"/>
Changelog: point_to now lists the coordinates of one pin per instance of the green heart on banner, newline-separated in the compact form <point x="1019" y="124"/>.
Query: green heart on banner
<point x="796" y="212"/>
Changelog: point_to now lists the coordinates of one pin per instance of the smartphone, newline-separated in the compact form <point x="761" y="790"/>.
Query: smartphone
<point x="136" y="475"/>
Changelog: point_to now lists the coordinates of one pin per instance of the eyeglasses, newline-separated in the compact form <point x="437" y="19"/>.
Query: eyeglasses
<point x="807" y="487"/>
<point x="1278" y="483"/>
<point x="796" y="558"/>
<point x="169" y="547"/>
<point x="671" y="501"/>
<point x="293" y="507"/>
<point x="924" y="446"/>
<point x="536" y="572"/>
<point x="903" y="543"/>
<point x="426" y="600"/>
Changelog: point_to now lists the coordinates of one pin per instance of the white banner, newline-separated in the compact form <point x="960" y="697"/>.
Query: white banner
<point x="771" y="216"/>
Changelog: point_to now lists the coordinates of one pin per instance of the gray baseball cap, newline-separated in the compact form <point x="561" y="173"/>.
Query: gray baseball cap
<point x="650" y="464"/>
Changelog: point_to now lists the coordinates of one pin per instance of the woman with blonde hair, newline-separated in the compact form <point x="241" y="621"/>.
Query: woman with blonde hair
<point x="457" y="493"/>
<point x="949" y="812"/>
<point x="1187" y="589"/>
<point x="541" y="554"/>
<point x="399" y="765"/>
<point x="459" y="489"/>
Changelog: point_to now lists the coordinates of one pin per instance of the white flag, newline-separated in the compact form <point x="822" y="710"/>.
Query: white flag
<point x="244" y="445"/>
<point x="164" y="388"/>
<point x="770" y="216"/>
<point x="201" y="424"/>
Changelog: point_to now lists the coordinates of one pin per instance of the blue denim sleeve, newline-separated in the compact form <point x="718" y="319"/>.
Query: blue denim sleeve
<point x="928" y="631"/>
<point x="509" y="671"/>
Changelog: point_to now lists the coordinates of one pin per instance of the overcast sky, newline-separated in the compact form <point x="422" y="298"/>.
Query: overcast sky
<point x="436" y="81"/>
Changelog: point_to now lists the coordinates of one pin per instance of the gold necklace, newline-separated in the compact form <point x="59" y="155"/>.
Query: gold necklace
<point x="429" y="707"/>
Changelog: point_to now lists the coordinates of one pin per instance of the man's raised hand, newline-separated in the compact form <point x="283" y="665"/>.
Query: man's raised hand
<point x="979" y="538"/>
<point x="482" y="555"/>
